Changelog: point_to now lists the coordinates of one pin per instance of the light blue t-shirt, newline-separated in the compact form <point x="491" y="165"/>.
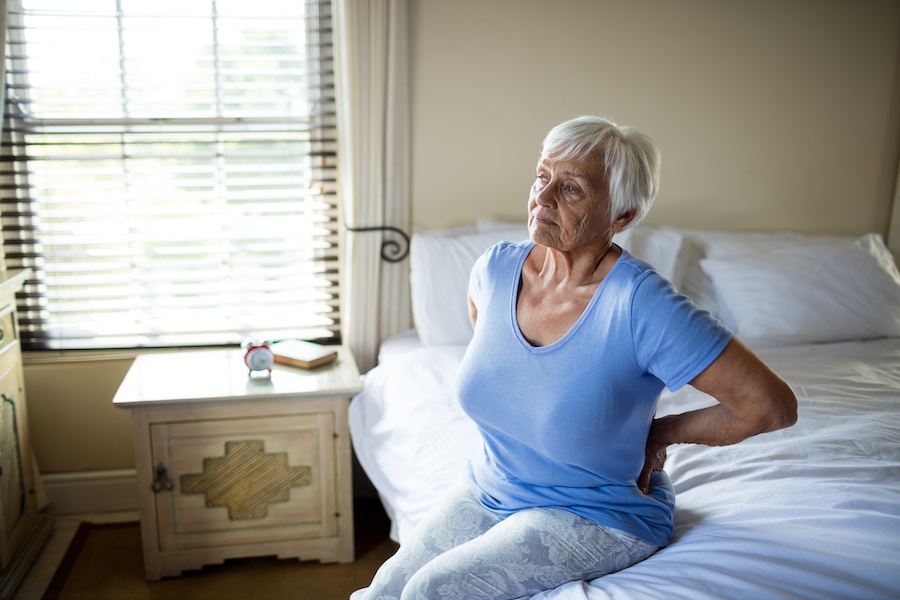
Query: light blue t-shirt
<point x="566" y="425"/>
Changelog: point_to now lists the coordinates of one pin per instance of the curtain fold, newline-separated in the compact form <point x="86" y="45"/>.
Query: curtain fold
<point x="372" y="79"/>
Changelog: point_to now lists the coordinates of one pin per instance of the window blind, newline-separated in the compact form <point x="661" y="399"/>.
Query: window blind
<point x="168" y="171"/>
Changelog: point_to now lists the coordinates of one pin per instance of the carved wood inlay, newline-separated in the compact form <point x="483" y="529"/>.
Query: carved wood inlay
<point x="246" y="480"/>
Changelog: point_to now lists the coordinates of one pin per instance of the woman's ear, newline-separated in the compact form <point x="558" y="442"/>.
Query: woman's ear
<point x="623" y="221"/>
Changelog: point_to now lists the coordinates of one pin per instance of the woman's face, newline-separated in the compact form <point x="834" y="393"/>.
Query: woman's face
<point x="568" y="206"/>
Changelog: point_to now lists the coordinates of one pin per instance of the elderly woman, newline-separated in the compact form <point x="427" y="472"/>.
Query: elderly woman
<point x="574" y="341"/>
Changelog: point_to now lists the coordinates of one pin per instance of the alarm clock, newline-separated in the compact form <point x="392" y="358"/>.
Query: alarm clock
<point x="258" y="356"/>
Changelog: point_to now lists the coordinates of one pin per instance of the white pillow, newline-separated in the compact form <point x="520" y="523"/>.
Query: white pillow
<point x="697" y="245"/>
<point x="440" y="263"/>
<point x="661" y="247"/>
<point x="808" y="294"/>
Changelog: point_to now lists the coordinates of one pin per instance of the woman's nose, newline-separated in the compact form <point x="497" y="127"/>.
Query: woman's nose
<point x="545" y="196"/>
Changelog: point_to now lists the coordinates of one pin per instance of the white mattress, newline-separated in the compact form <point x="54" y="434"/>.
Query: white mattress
<point x="808" y="512"/>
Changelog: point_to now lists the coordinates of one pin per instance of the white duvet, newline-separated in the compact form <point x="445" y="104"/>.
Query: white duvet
<point x="808" y="512"/>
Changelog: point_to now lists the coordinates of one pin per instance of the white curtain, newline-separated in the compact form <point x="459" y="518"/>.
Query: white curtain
<point x="371" y="63"/>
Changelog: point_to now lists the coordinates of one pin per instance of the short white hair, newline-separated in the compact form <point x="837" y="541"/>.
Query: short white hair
<point x="631" y="158"/>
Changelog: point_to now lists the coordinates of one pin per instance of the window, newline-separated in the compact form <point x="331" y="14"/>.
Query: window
<point x="168" y="171"/>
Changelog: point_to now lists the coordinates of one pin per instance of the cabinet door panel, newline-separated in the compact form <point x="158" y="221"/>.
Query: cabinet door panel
<point x="245" y="480"/>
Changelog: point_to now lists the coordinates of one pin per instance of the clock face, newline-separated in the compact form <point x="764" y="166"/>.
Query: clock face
<point x="259" y="358"/>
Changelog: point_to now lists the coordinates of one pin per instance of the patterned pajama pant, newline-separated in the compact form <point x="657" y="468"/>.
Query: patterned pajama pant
<point x="464" y="551"/>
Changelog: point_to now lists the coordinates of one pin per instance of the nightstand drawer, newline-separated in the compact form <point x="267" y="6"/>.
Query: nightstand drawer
<point x="241" y="481"/>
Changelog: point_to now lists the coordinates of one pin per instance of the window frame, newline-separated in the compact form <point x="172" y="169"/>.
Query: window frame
<point x="19" y="212"/>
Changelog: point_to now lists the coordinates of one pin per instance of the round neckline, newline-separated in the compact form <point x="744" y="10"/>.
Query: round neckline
<point x="514" y="299"/>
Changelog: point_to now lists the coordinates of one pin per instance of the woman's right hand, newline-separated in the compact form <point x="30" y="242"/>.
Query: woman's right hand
<point x="656" y="454"/>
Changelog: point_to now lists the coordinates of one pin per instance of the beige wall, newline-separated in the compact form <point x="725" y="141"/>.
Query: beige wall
<point x="771" y="114"/>
<point x="73" y="423"/>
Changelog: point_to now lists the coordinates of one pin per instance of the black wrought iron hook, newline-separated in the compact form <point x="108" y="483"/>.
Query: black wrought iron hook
<point x="391" y="250"/>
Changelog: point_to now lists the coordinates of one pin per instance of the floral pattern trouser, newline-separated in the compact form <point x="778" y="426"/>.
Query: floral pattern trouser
<point x="464" y="551"/>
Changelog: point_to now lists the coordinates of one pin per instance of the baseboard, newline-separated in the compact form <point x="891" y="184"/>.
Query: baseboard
<point x="91" y="491"/>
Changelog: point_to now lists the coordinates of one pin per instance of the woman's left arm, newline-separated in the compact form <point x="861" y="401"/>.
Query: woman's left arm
<point x="752" y="399"/>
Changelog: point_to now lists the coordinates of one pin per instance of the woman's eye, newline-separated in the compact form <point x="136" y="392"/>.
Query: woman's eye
<point x="571" y="189"/>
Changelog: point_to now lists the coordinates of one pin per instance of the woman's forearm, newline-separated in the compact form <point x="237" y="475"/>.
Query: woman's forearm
<point x="712" y="426"/>
<point x="752" y="399"/>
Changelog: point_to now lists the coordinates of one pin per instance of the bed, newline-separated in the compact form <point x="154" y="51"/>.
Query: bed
<point x="812" y="511"/>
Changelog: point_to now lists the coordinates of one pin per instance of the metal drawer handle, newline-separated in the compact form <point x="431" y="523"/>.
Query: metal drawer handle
<point x="161" y="480"/>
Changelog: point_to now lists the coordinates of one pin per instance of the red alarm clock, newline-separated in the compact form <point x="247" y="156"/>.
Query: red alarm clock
<point x="258" y="356"/>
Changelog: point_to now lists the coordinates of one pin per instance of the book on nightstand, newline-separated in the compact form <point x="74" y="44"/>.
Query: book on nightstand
<point x="306" y="355"/>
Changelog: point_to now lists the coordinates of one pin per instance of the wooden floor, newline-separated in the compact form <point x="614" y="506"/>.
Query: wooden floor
<point x="372" y="548"/>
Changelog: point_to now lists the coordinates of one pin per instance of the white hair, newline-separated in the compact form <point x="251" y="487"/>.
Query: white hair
<point x="631" y="159"/>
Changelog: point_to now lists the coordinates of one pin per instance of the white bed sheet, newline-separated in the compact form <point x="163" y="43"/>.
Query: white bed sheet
<point x="808" y="512"/>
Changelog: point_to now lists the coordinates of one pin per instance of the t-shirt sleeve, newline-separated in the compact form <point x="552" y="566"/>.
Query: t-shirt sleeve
<point x="479" y="274"/>
<point x="476" y="277"/>
<point x="675" y="340"/>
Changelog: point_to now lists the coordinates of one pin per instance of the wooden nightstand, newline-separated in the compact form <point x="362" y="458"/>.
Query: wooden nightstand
<point x="234" y="466"/>
<point x="23" y="530"/>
